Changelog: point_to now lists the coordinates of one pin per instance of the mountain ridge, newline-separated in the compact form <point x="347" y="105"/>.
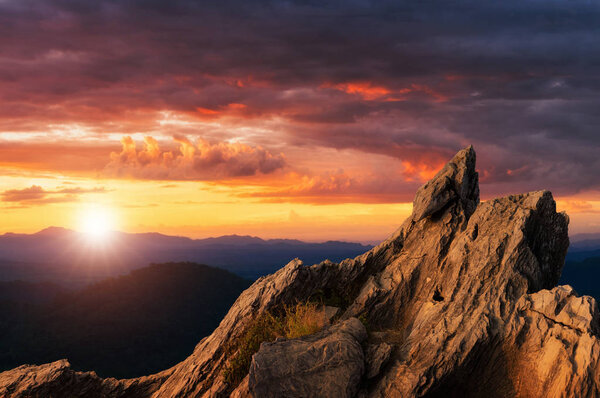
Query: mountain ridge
<point x="54" y="253"/>
<point x="56" y="230"/>
<point x="462" y="300"/>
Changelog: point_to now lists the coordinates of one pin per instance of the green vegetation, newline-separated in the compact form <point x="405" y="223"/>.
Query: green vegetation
<point x="295" y="321"/>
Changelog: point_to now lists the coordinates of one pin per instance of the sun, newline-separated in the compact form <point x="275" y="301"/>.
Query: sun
<point x="96" y="223"/>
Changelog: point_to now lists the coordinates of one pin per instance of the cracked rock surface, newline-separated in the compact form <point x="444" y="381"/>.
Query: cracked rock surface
<point x="327" y="364"/>
<point x="460" y="301"/>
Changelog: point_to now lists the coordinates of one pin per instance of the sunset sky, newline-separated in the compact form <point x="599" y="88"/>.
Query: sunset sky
<point x="290" y="119"/>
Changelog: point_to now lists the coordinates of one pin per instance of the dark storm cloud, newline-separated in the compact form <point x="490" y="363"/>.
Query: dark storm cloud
<point x="413" y="80"/>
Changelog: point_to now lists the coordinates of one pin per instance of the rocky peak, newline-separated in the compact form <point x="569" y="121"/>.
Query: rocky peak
<point x="456" y="182"/>
<point x="460" y="301"/>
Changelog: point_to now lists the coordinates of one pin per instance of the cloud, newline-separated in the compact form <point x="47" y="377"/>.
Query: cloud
<point x="341" y="187"/>
<point x="518" y="79"/>
<point x="371" y="92"/>
<point x="36" y="195"/>
<point x="579" y="206"/>
<point x="366" y="90"/>
<point x="64" y="156"/>
<point x="202" y="161"/>
<point x="33" y="193"/>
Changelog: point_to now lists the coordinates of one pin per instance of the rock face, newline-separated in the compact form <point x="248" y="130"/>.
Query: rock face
<point x="326" y="364"/>
<point x="57" y="379"/>
<point x="376" y="356"/>
<point x="552" y="344"/>
<point x="460" y="301"/>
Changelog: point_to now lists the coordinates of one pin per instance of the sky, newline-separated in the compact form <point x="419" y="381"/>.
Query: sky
<point x="314" y="120"/>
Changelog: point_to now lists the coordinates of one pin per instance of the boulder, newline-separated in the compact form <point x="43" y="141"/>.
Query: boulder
<point x="327" y="364"/>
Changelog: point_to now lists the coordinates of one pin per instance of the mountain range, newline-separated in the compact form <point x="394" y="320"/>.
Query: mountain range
<point x="70" y="258"/>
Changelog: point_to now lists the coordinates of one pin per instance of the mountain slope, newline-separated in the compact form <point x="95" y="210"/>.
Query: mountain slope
<point x="29" y="292"/>
<point x="460" y="301"/>
<point x="122" y="327"/>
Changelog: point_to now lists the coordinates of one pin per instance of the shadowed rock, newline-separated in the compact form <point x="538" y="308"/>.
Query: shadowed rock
<point x="463" y="294"/>
<point x="376" y="356"/>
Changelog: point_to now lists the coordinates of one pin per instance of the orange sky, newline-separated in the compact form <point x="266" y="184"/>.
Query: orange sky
<point x="197" y="188"/>
<point x="295" y="120"/>
<point x="239" y="188"/>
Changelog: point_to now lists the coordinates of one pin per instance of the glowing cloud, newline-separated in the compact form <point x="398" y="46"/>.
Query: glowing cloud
<point x="366" y="90"/>
<point x="36" y="195"/>
<point x="203" y="161"/>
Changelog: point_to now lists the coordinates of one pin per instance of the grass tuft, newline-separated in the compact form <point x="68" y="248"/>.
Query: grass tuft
<point x="303" y="319"/>
<point x="295" y="321"/>
<point x="265" y="327"/>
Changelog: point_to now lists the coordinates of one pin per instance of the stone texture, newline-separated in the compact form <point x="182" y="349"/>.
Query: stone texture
<point x="330" y="312"/>
<point x="327" y="364"/>
<point x="242" y="390"/>
<point x="463" y="293"/>
<point x="58" y="380"/>
<point x="551" y="345"/>
<point x="375" y="357"/>
<point x="457" y="181"/>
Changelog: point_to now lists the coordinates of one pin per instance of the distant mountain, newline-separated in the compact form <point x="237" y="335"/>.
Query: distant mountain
<point x="583" y="276"/>
<point x="136" y="324"/>
<point x="584" y="246"/>
<point x="582" y="265"/>
<point x="582" y="254"/>
<point x="580" y="238"/>
<point x="69" y="258"/>
<point x="30" y="292"/>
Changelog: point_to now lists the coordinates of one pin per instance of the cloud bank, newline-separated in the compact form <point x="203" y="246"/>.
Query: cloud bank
<point x="410" y="81"/>
<point x="201" y="161"/>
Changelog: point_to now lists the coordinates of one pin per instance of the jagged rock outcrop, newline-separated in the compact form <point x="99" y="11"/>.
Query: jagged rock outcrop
<point x="551" y="345"/>
<point x="459" y="301"/>
<point x="57" y="379"/>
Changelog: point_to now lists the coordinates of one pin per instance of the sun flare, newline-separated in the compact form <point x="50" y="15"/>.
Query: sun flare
<point x="97" y="223"/>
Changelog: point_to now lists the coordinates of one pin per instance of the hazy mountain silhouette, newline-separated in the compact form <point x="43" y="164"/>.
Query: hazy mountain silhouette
<point x="68" y="257"/>
<point x="584" y="246"/>
<point x="583" y="275"/>
<point x="127" y="326"/>
<point x="582" y="265"/>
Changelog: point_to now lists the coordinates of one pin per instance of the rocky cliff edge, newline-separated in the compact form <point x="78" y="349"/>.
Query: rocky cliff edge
<point x="460" y="301"/>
